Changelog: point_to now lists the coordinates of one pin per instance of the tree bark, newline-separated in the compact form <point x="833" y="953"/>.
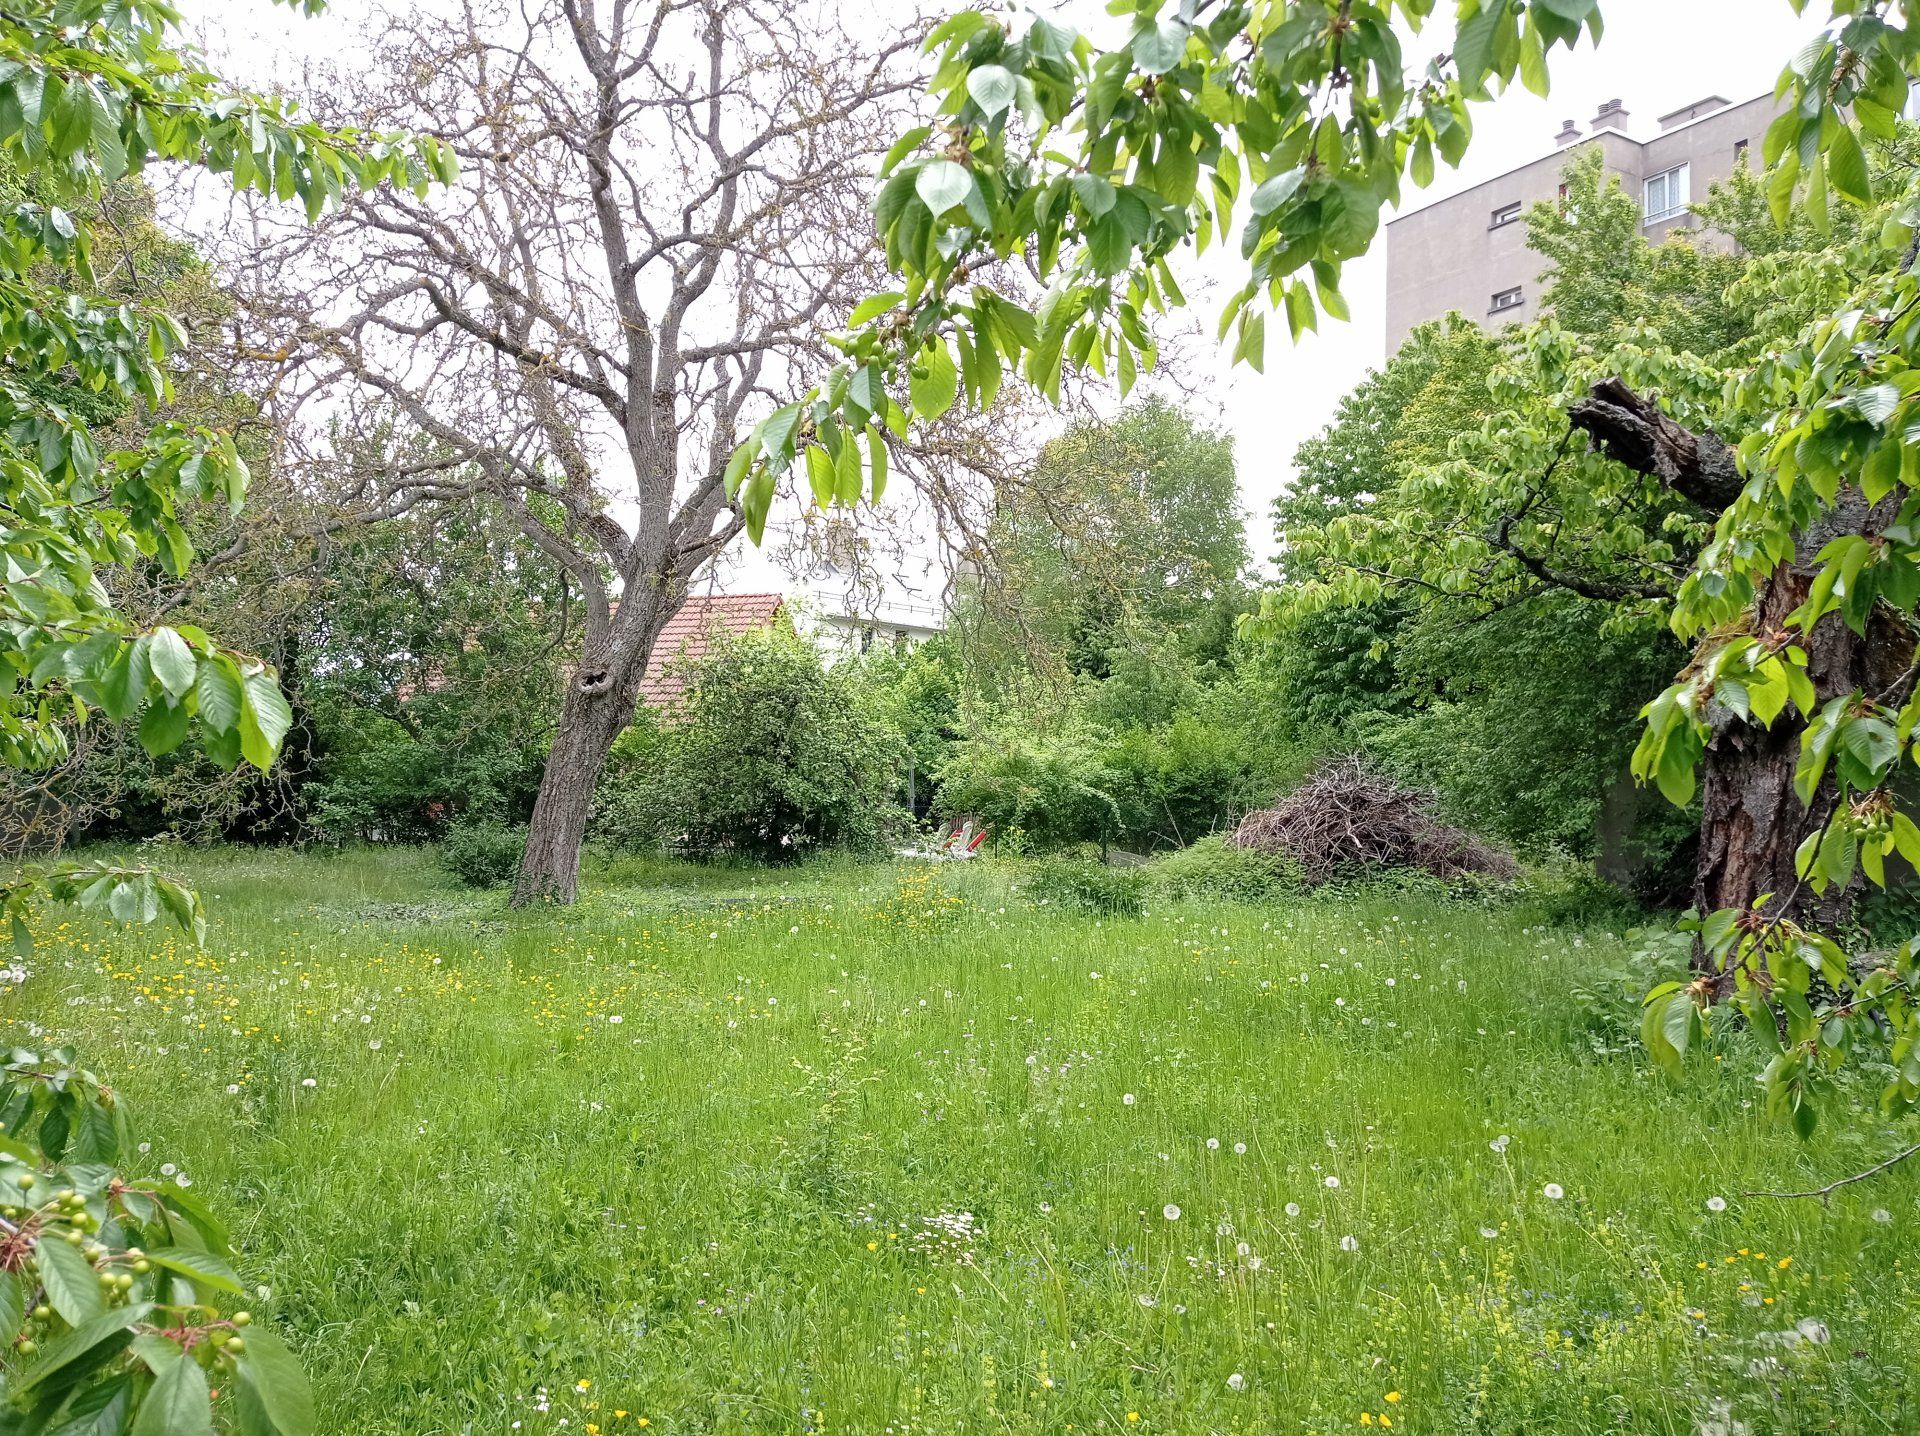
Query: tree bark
<point x="1751" y="819"/>
<point x="602" y="696"/>
<point x="589" y="723"/>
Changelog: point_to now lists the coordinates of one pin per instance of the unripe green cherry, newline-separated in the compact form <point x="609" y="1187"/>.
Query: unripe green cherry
<point x="242" y="1318"/>
<point x="42" y="1312"/>
<point x="143" y="1266"/>
<point x="28" y="1346"/>
<point x="235" y="1345"/>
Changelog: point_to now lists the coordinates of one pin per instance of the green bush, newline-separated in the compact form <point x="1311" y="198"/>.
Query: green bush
<point x="1215" y="870"/>
<point x="769" y="756"/>
<point x="483" y="855"/>
<point x="1055" y="787"/>
<point x="1079" y="885"/>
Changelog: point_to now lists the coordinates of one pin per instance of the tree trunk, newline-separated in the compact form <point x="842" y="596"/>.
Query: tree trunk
<point x="590" y="719"/>
<point x="1751" y="819"/>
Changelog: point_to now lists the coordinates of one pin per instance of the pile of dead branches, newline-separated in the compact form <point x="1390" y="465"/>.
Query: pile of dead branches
<point x="1347" y="819"/>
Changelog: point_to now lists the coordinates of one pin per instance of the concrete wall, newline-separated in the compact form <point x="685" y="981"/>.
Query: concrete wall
<point x="1445" y="257"/>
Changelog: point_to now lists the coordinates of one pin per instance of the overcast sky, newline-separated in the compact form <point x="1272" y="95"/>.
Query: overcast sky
<point x="1657" y="56"/>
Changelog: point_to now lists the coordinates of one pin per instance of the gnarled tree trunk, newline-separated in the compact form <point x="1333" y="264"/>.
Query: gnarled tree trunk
<point x="589" y="722"/>
<point x="602" y="694"/>
<point x="1751" y="819"/>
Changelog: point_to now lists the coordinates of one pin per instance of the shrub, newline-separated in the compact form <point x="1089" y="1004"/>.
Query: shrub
<point x="769" y="755"/>
<point x="1176" y="782"/>
<point x="1055" y="787"/>
<point x="1347" y="820"/>
<point x="1079" y="885"/>
<point x="1216" y="870"/>
<point x="483" y="855"/>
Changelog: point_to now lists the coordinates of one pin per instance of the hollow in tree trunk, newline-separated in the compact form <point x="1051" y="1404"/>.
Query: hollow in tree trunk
<point x="590" y="719"/>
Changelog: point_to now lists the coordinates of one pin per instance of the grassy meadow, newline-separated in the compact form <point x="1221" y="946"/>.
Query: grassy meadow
<point x="887" y="1150"/>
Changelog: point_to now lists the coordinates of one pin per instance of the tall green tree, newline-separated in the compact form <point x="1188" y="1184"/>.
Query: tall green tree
<point x="1127" y="534"/>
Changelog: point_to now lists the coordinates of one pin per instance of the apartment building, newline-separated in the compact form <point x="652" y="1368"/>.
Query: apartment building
<point x="1469" y="251"/>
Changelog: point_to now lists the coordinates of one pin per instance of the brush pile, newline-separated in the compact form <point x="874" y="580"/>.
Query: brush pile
<point x="1348" y="820"/>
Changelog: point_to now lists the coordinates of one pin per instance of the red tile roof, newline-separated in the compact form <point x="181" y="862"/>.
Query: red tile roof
<point x="689" y="633"/>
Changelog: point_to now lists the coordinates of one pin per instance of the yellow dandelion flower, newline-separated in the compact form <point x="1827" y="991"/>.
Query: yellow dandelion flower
<point x="1366" y="1418"/>
<point x="873" y="1246"/>
<point x="1784" y="1263"/>
<point x="1393" y="1398"/>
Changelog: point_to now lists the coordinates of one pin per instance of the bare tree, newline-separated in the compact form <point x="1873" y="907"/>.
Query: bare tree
<point x="661" y="216"/>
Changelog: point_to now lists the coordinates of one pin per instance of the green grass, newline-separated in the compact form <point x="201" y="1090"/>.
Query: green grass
<point x="838" y="1151"/>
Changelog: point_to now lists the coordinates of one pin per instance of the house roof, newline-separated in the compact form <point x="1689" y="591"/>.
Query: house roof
<point x="690" y="633"/>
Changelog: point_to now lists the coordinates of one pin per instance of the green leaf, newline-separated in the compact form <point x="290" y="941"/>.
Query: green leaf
<point x="264" y="720"/>
<point x="877" y="452"/>
<point x="13" y="1310"/>
<point x="203" y="1267"/>
<point x="1847" y="167"/>
<point x="992" y="88"/>
<point x="904" y="146"/>
<point x="935" y="389"/>
<point x="178" y="1403"/>
<point x="1473" y="45"/>
<point x="217" y="688"/>
<point x="1277" y="191"/>
<point x="100" y="1410"/>
<point x="820" y="475"/>
<point x="1095" y="192"/>
<point x="872" y="307"/>
<point x="163" y="728"/>
<point x="82" y="1348"/>
<point x="279" y="1383"/>
<point x="1109" y="245"/>
<point x="172" y="661"/>
<point x="942" y="184"/>
<point x="1159" y="47"/>
<point x="1533" y="61"/>
<point x="73" y="1286"/>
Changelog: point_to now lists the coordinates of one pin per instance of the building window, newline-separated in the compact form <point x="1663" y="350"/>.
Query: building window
<point x="1667" y="194"/>
<point x="1739" y="151"/>
<point x="1506" y="214"/>
<point x="1506" y="299"/>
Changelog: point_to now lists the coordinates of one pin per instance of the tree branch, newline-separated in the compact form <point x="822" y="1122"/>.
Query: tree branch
<point x="1632" y="430"/>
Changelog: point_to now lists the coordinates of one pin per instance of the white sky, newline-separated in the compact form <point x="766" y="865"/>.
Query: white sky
<point x="1657" y="56"/>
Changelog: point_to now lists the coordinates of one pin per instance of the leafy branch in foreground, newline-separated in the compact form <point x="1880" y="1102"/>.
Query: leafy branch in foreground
<point x="91" y="91"/>
<point x="1093" y="170"/>
<point x="116" y="1294"/>
<point x="103" y="1282"/>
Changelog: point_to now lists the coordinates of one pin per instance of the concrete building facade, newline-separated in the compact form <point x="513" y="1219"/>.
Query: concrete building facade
<point x="1469" y="252"/>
